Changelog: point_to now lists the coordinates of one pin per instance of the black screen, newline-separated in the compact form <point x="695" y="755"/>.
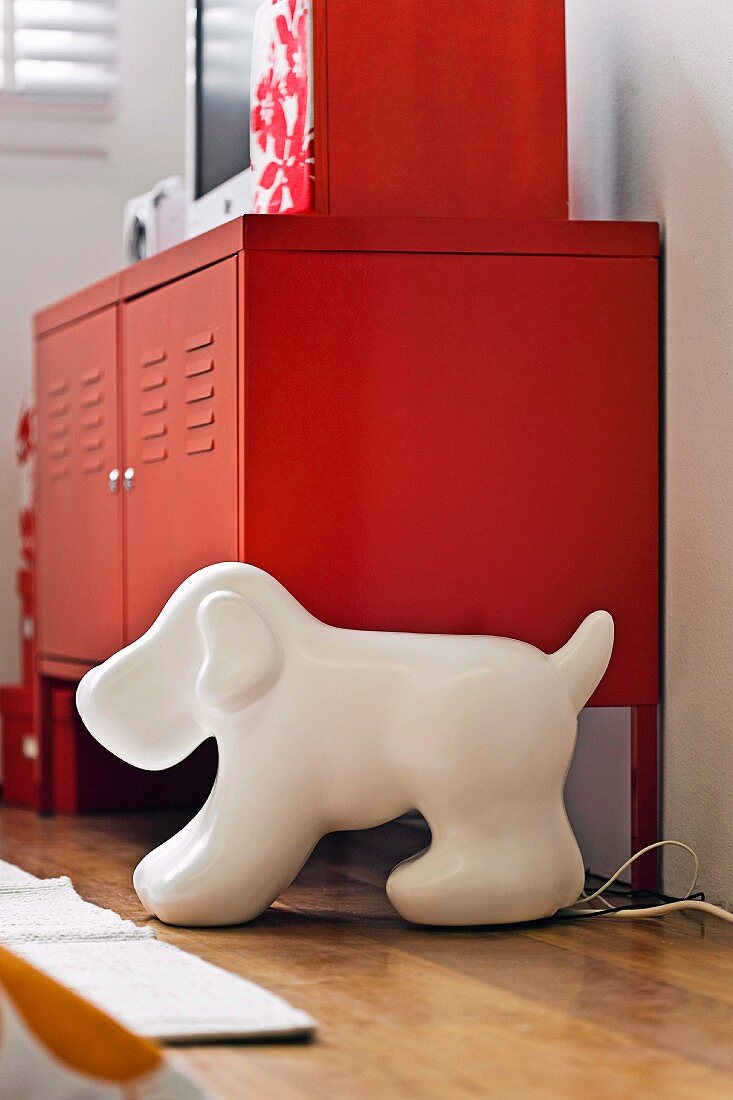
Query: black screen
<point x="223" y="65"/>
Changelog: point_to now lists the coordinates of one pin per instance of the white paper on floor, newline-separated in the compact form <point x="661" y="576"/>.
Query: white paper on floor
<point x="153" y="988"/>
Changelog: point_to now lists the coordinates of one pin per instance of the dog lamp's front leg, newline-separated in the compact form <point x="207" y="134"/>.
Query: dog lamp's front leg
<point x="183" y="882"/>
<point x="240" y="852"/>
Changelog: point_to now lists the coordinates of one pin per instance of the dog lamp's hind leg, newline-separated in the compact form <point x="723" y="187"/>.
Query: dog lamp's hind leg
<point x="490" y="871"/>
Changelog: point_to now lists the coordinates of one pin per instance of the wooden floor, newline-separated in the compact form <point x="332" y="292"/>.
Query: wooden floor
<point x="549" y="1010"/>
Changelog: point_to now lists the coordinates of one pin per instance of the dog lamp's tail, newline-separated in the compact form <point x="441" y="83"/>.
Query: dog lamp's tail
<point x="584" y="659"/>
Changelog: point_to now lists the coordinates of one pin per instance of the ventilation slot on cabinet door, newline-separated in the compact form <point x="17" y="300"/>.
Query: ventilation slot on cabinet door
<point x="153" y="382"/>
<point x="153" y="405"/>
<point x="198" y="366"/>
<point x="200" y="418"/>
<point x="156" y="430"/>
<point x="92" y="465"/>
<point x="200" y="444"/>
<point x="153" y="358"/>
<point x="93" y="440"/>
<point x="154" y="452"/>
<point x="58" y="431"/>
<point x="199" y="340"/>
<point x="200" y="393"/>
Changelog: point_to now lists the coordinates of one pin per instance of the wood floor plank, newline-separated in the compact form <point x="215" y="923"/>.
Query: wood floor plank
<point x="663" y="951"/>
<point x="638" y="1007"/>
<point x="540" y="1011"/>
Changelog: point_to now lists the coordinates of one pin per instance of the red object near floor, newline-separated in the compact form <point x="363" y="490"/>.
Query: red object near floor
<point x="19" y="746"/>
<point x="87" y="777"/>
<point x="26" y="583"/>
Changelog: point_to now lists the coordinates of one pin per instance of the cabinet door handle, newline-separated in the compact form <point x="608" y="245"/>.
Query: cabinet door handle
<point x="113" y="480"/>
<point x="128" y="478"/>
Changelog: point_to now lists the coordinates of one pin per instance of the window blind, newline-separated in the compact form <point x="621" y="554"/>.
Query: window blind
<point x="59" y="48"/>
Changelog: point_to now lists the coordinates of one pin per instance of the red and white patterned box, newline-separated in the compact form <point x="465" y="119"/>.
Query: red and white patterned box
<point x="282" y="109"/>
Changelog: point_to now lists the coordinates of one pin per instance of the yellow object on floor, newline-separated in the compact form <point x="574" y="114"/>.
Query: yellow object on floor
<point x="57" y="1046"/>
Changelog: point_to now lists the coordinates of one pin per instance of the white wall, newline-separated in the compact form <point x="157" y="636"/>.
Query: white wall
<point x="598" y="792"/>
<point x="60" y="228"/>
<point x="651" y="136"/>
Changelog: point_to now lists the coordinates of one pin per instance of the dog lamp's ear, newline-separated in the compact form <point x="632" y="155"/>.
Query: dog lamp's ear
<point x="242" y="655"/>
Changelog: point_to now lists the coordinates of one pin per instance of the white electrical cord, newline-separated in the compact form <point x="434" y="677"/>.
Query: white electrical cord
<point x="585" y="898"/>
<point x="672" y="907"/>
<point x="660" y="910"/>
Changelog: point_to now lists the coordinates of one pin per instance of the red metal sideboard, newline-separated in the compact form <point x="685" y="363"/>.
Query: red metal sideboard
<point x="415" y="424"/>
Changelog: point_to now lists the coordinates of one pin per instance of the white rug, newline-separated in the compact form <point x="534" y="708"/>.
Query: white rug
<point x="153" y="988"/>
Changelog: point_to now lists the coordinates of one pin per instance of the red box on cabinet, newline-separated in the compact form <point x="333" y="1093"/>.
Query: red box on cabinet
<point x="442" y="108"/>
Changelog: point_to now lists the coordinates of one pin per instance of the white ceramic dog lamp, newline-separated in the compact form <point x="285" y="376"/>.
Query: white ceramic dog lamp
<point x="321" y="729"/>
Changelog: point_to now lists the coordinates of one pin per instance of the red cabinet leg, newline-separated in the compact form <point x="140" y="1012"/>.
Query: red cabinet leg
<point x="644" y="795"/>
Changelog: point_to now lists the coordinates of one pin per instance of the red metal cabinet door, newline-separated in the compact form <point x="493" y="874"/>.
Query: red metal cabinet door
<point x="180" y="435"/>
<point x="459" y="443"/>
<point x="79" y="558"/>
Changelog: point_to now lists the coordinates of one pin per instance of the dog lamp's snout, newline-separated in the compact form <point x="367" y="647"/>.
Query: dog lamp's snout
<point x="95" y="699"/>
<point x="84" y="694"/>
<point x="133" y="707"/>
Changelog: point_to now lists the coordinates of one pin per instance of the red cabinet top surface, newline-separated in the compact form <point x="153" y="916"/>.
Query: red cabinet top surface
<point x="92" y="298"/>
<point x="315" y="233"/>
